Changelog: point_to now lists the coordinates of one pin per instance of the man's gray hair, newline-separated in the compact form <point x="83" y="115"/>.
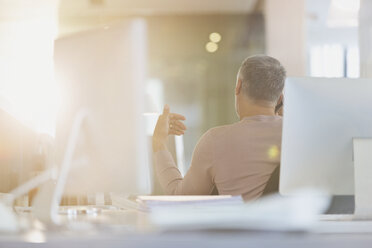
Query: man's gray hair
<point x="262" y="78"/>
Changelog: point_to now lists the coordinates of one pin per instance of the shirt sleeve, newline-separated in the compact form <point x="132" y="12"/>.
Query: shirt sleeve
<point x="199" y="178"/>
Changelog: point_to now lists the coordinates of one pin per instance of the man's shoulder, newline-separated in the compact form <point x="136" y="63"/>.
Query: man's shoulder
<point x="235" y="128"/>
<point x="217" y="131"/>
<point x="211" y="137"/>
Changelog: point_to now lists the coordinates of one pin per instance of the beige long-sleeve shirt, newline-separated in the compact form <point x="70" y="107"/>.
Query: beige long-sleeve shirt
<point x="237" y="159"/>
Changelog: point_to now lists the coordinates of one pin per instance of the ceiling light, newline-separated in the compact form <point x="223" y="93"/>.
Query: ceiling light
<point x="211" y="47"/>
<point x="215" y="37"/>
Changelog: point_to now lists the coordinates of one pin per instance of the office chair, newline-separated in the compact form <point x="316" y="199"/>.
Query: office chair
<point x="272" y="185"/>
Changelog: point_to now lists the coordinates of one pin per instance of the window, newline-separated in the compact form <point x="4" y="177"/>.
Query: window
<point x="334" y="60"/>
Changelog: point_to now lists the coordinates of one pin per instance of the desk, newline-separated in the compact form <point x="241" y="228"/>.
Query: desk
<point x="124" y="236"/>
<point x="206" y="239"/>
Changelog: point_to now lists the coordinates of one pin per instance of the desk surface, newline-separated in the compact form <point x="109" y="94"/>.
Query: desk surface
<point x="76" y="234"/>
<point x="195" y="239"/>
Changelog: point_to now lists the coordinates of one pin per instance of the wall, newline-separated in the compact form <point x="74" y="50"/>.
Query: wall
<point x="285" y="34"/>
<point x="196" y="83"/>
<point x="365" y="38"/>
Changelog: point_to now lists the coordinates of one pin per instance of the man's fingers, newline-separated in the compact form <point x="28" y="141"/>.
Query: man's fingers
<point x="175" y="116"/>
<point x="180" y="125"/>
<point x="177" y="132"/>
<point x="166" y="110"/>
<point x="176" y="127"/>
<point x="177" y="124"/>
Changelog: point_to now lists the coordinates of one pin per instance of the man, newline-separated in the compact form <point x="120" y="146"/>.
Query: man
<point x="235" y="159"/>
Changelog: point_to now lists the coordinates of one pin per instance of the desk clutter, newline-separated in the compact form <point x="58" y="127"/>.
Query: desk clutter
<point x="274" y="213"/>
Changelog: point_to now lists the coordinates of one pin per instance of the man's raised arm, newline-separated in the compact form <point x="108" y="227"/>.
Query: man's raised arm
<point x="198" y="180"/>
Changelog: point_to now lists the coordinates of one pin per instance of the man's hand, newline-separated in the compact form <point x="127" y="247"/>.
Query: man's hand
<point x="168" y="124"/>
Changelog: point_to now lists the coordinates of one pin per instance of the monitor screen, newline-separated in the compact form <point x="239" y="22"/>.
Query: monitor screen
<point x="321" y="117"/>
<point x="102" y="72"/>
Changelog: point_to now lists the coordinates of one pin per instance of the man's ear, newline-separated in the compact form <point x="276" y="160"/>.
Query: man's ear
<point x="238" y="87"/>
<point x="280" y="100"/>
<point x="279" y="105"/>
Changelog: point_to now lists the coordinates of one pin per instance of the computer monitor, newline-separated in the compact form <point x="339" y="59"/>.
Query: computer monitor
<point x="100" y="140"/>
<point x="324" y="121"/>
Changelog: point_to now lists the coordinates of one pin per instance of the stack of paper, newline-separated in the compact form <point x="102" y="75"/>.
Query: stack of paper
<point x="272" y="213"/>
<point x="149" y="203"/>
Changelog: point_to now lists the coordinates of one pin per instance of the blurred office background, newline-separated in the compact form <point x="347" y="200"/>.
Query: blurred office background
<point x="195" y="48"/>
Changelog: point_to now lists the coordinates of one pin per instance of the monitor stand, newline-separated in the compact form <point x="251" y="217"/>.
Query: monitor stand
<point x="46" y="202"/>
<point x="363" y="178"/>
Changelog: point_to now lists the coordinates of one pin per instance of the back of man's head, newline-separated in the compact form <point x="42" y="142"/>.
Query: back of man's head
<point x="262" y="78"/>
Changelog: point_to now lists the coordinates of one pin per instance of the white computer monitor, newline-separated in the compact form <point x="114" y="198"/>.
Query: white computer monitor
<point x="323" y="118"/>
<point x="101" y="143"/>
<point x="103" y="72"/>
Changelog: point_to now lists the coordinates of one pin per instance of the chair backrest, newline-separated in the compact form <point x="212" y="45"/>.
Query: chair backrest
<point x="272" y="185"/>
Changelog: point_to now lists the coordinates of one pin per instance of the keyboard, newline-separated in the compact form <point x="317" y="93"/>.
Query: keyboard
<point x="341" y="223"/>
<point x="336" y="217"/>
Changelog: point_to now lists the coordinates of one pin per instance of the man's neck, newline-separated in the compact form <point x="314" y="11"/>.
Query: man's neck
<point x="252" y="110"/>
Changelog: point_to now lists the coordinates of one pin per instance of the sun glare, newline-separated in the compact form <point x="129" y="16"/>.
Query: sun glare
<point x="27" y="87"/>
<point x="273" y="152"/>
